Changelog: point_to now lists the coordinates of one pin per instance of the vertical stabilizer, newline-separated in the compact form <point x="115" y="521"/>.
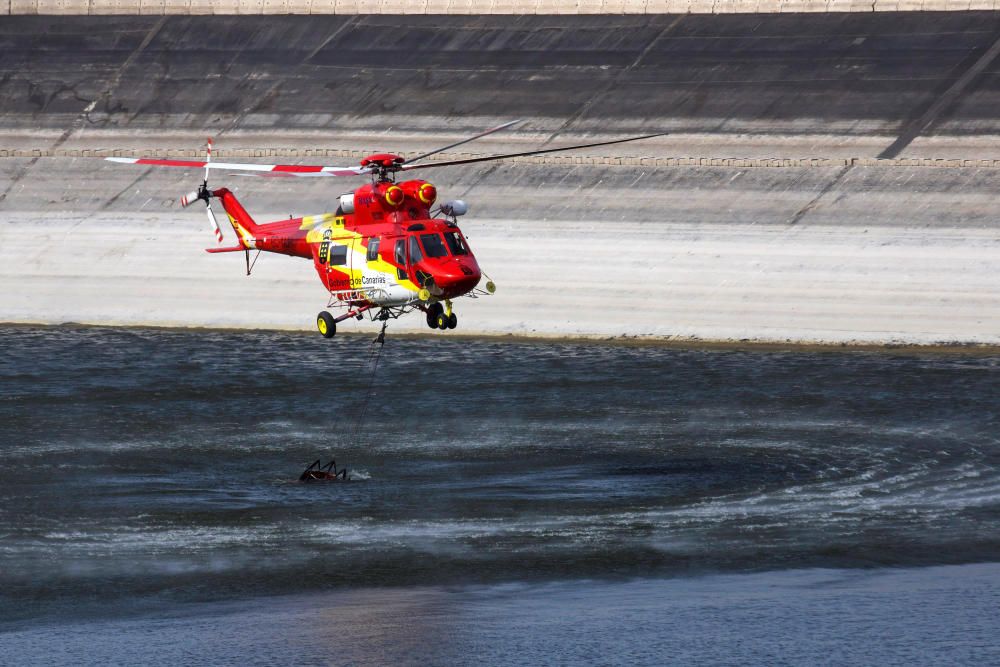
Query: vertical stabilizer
<point x="244" y="226"/>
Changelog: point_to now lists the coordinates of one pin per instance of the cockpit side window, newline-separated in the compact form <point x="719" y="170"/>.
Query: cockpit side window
<point x="373" y="245"/>
<point x="433" y="245"/>
<point x="400" y="255"/>
<point x="456" y="243"/>
<point x="415" y="254"/>
<point x="338" y="255"/>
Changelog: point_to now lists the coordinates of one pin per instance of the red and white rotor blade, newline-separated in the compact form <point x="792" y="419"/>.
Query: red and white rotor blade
<point x="208" y="159"/>
<point x="189" y="198"/>
<point x="214" y="223"/>
<point x="284" y="169"/>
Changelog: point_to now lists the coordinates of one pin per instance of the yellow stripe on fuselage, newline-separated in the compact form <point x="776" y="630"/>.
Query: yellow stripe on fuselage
<point x="354" y="242"/>
<point x="313" y="220"/>
<point x="245" y="236"/>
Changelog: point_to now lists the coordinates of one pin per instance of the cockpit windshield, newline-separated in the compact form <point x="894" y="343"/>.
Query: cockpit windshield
<point x="456" y="243"/>
<point x="433" y="245"/>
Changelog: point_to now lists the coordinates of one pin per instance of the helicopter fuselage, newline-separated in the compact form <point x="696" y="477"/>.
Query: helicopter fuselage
<point x="382" y="247"/>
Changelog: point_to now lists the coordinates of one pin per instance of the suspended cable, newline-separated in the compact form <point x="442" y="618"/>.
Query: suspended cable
<point x="374" y="353"/>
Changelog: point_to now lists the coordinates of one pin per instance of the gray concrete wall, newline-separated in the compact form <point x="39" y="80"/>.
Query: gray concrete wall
<point x="853" y="75"/>
<point x="828" y="177"/>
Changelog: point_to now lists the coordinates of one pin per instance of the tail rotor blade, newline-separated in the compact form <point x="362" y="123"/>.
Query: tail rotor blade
<point x="189" y="198"/>
<point x="208" y="157"/>
<point x="214" y="223"/>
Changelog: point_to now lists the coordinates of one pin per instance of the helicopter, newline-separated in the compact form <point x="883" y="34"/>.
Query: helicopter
<point x="389" y="248"/>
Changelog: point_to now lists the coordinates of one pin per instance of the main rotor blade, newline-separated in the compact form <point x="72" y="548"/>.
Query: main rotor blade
<point x="465" y="141"/>
<point x="449" y="163"/>
<point x="289" y="169"/>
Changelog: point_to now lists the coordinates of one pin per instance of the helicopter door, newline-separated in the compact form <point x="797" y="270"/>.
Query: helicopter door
<point x="416" y="256"/>
<point x="338" y="261"/>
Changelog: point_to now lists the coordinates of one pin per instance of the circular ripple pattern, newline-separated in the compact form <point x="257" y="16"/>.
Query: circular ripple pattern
<point x="162" y="464"/>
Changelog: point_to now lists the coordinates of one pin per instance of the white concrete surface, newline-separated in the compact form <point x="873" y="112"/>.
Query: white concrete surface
<point x="892" y="255"/>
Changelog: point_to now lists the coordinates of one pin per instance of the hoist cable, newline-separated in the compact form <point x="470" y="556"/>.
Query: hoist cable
<point x="376" y="354"/>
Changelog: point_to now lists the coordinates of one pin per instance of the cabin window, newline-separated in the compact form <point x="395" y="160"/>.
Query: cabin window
<point x="373" y="245"/>
<point x="433" y="245"/>
<point x="456" y="243"/>
<point x="415" y="254"/>
<point x="401" y="259"/>
<point x="338" y="255"/>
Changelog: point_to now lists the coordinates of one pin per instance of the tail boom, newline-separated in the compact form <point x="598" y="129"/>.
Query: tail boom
<point x="285" y="236"/>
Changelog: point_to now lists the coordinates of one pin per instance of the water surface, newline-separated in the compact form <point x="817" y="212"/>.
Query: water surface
<point x="144" y="469"/>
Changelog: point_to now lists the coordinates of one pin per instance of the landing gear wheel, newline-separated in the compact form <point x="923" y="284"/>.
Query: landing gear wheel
<point x="442" y="321"/>
<point x="433" y="311"/>
<point x="452" y="321"/>
<point x="326" y="325"/>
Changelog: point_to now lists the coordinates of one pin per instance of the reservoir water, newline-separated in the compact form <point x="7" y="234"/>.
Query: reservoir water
<point x="511" y="502"/>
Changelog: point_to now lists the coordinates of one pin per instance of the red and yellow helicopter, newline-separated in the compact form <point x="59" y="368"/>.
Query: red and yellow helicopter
<point x="387" y="250"/>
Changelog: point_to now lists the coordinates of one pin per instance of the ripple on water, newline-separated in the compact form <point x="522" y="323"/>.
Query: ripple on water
<point x="136" y="460"/>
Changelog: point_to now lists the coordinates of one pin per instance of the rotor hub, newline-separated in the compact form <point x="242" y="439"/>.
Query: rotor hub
<point x="383" y="164"/>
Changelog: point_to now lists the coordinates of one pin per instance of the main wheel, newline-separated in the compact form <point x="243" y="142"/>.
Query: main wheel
<point x="442" y="321"/>
<point x="452" y="321"/>
<point x="326" y="325"/>
<point x="433" y="311"/>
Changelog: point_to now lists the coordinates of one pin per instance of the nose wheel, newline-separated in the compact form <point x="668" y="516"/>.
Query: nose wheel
<point x="434" y="311"/>
<point x="439" y="318"/>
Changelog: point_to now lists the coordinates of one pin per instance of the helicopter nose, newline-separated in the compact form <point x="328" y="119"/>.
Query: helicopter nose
<point x="457" y="279"/>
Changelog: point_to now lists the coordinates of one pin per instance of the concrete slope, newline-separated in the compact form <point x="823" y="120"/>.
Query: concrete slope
<point x="847" y="73"/>
<point x="816" y="252"/>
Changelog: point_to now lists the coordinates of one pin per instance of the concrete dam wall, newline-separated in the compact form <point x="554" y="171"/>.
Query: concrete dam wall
<point x="824" y="74"/>
<point x="828" y="177"/>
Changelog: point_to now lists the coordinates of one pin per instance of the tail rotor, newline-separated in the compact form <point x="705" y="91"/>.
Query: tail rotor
<point x="204" y="194"/>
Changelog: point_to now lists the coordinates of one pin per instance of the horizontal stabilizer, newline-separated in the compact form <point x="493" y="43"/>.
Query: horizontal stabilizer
<point x="235" y="248"/>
